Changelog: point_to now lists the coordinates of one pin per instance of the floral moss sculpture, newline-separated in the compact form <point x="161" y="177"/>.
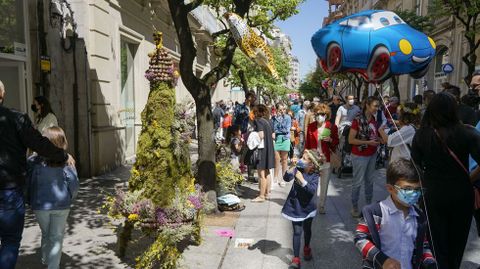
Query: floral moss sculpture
<point x="162" y="199"/>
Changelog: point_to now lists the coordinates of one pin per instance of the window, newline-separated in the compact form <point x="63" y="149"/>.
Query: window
<point x="127" y="97"/>
<point x="384" y="21"/>
<point x="441" y="58"/>
<point x="360" y="21"/>
<point x="12" y="25"/>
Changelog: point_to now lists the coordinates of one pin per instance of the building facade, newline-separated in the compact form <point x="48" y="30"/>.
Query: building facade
<point x="284" y="42"/>
<point x="96" y="81"/>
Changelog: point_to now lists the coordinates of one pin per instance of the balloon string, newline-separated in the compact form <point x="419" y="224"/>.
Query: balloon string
<point x="417" y="169"/>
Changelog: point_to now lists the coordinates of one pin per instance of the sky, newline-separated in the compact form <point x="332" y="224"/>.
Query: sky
<point x="301" y="27"/>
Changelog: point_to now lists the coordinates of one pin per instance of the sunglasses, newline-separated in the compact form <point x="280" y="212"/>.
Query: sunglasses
<point x="321" y="114"/>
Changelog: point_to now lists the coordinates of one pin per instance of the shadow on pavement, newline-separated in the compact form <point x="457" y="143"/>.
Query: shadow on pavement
<point x="273" y="248"/>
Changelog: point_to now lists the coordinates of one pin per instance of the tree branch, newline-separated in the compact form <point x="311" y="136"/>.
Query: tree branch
<point x="267" y="22"/>
<point x="193" y="5"/>
<point x="179" y="13"/>
<point x="219" y="33"/>
<point x="243" y="78"/>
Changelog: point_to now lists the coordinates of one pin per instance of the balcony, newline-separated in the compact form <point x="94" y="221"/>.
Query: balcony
<point x="335" y="2"/>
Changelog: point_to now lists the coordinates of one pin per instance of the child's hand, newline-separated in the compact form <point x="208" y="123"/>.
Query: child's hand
<point x="391" y="264"/>
<point x="299" y="178"/>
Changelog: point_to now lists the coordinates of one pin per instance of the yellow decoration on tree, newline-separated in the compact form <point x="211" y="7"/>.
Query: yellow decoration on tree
<point x="250" y="43"/>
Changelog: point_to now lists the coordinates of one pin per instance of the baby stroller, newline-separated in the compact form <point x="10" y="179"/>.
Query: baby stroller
<point x="346" y="153"/>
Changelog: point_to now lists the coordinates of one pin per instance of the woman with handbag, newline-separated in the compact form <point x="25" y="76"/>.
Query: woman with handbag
<point x="322" y="135"/>
<point x="266" y="154"/>
<point x="441" y="148"/>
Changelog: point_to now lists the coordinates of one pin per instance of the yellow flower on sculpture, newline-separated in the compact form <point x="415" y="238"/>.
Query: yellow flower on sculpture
<point x="133" y="217"/>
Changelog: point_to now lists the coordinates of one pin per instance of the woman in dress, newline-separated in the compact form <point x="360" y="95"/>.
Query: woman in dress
<point x="441" y="148"/>
<point x="266" y="153"/>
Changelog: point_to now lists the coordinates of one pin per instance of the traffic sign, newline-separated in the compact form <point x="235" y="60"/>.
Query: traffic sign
<point x="447" y="68"/>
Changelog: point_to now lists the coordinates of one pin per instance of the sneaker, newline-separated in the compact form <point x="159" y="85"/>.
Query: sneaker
<point x="321" y="210"/>
<point x="295" y="264"/>
<point x="282" y="184"/>
<point x="307" y="253"/>
<point x="355" y="213"/>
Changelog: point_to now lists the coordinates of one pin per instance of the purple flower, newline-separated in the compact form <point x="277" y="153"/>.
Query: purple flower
<point x="161" y="216"/>
<point x="196" y="202"/>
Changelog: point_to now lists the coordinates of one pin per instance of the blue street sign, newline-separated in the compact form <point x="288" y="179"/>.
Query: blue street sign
<point x="447" y="68"/>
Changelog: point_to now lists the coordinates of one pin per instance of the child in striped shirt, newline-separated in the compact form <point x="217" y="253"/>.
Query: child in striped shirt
<point x="392" y="233"/>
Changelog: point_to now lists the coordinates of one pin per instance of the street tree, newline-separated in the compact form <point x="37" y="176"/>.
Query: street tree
<point x="312" y="85"/>
<point x="467" y="13"/>
<point x="260" y="14"/>
<point x="249" y="75"/>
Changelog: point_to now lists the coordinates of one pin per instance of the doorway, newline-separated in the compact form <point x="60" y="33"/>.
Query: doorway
<point x="12" y="74"/>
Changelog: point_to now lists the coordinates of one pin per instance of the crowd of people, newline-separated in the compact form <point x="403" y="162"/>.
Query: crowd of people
<point x="46" y="181"/>
<point x="432" y="149"/>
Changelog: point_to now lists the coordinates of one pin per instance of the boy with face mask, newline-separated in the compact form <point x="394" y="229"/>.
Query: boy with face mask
<point x="392" y="232"/>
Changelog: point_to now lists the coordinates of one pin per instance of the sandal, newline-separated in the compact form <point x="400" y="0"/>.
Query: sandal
<point x="258" y="200"/>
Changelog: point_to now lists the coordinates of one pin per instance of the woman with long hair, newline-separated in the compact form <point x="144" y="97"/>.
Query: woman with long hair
<point x="282" y="124"/>
<point x="364" y="138"/>
<point x="322" y="135"/>
<point x="441" y="148"/>
<point x="44" y="116"/>
<point x="401" y="140"/>
<point x="266" y="152"/>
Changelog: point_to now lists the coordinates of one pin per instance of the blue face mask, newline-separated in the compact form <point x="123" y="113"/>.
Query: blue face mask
<point x="301" y="165"/>
<point x="408" y="197"/>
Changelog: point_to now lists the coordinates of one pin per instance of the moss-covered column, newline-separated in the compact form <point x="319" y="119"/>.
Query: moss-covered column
<point x="157" y="170"/>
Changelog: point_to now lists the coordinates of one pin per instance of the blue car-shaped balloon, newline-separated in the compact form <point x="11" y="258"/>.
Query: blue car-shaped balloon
<point x="374" y="43"/>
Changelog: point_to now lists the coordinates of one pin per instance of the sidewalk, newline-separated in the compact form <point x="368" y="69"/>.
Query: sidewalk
<point x="90" y="240"/>
<point x="332" y="240"/>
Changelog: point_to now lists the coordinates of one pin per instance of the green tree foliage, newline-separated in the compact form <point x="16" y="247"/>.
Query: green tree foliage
<point x="255" y="75"/>
<point x="312" y="85"/>
<point x="260" y="14"/>
<point x="467" y="13"/>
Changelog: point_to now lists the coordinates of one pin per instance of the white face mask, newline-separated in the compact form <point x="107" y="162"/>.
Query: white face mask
<point x="351" y="102"/>
<point x="321" y="118"/>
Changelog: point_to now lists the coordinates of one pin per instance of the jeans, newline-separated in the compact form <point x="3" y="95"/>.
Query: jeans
<point x="12" y="217"/>
<point x="363" y="169"/>
<point x="52" y="223"/>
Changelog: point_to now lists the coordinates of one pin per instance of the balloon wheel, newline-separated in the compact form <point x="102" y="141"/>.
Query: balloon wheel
<point x="380" y="66"/>
<point x="334" y="58"/>
<point x="323" y="65"/>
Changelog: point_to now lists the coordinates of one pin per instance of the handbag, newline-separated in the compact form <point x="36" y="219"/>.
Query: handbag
<point x="252" y="157"/>
<point x="454" y="156"/>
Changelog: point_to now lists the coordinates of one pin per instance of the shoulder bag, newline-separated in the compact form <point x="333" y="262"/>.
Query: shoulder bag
<point x="454" y="156"/>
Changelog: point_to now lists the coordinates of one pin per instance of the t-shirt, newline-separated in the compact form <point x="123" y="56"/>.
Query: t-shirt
<point x="372" y="135"/>
<point x="348" y="115"/>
